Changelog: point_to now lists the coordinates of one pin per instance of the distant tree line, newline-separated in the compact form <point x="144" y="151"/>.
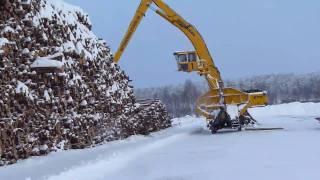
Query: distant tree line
<point x="284" y="88"/>
<point x="180" y="100"/>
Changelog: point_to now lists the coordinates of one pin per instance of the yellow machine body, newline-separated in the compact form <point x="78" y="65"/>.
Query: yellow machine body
<point x="199" y="60"/>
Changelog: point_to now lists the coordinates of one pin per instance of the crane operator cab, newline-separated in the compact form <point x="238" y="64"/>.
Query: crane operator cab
<point x="187" y="61"/>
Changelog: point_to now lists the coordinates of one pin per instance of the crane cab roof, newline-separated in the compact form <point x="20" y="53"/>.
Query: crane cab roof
<point x="183" y="52"/>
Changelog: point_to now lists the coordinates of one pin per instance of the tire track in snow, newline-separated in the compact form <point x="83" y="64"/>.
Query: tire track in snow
<point x="118" y="160"/>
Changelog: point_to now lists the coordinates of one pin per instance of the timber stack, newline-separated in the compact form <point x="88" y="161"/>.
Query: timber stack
<point x="59" y="87"/>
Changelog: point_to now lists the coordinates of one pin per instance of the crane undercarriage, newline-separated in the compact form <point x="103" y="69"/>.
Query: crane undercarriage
<point x="224" y="121"/>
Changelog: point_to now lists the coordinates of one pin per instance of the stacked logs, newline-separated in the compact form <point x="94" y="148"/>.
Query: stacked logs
<point x="150" y="116"/>
<point x="45" y="107"/>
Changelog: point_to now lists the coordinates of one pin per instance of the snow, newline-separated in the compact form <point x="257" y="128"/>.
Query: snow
<point x="233" y="111"/>
<point x="43" y="147"/>
<point x="70" y="99"/>
<point x="8" y="29"/>
<point x="22" y="88"/>
<point x="83" y="103"/>
<point x="28" y="39"/>
<point x="25" y="51"/>
<point x="3" y="41"/>
<point x="188" y="151"/>
<point x="291" y="109"/>
<point x="81" y="36"/>
<point x="25" y="1"/>
<point x="46" y="95"/>
<point x="35" y="150"/>
<point x="46" y="62"/>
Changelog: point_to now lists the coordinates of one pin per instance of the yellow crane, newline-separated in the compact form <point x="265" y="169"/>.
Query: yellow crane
<point x="215" y="103"/>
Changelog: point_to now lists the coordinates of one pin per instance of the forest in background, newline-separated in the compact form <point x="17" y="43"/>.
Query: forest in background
<point x="281" y="88"/>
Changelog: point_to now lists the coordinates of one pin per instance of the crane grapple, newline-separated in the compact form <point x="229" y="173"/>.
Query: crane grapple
<point x="209" y="106"/>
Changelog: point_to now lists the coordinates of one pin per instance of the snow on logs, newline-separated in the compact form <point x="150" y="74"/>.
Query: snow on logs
<point x="59" y="87"/>
<point x="47" y="65"/>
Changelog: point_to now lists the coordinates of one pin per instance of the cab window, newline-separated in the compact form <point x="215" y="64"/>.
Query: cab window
<point x="183" y="58"/>
<point x="192" y="57"/>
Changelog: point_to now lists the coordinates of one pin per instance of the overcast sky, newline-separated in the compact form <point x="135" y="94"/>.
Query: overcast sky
<point x="246" y="37"/>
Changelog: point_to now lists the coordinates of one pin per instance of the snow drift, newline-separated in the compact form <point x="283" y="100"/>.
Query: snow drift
<point x="290" y="109"/>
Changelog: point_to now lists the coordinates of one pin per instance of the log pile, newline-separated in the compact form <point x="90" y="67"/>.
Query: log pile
<point x="59" y="87"/>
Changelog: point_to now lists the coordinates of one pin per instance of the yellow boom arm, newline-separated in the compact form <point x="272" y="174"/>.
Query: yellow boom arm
<point x="199" y="60"/>
<point x="189" y="30"/>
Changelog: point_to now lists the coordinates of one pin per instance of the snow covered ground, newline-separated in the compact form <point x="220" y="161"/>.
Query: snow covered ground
<point x="189" y="152"/>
